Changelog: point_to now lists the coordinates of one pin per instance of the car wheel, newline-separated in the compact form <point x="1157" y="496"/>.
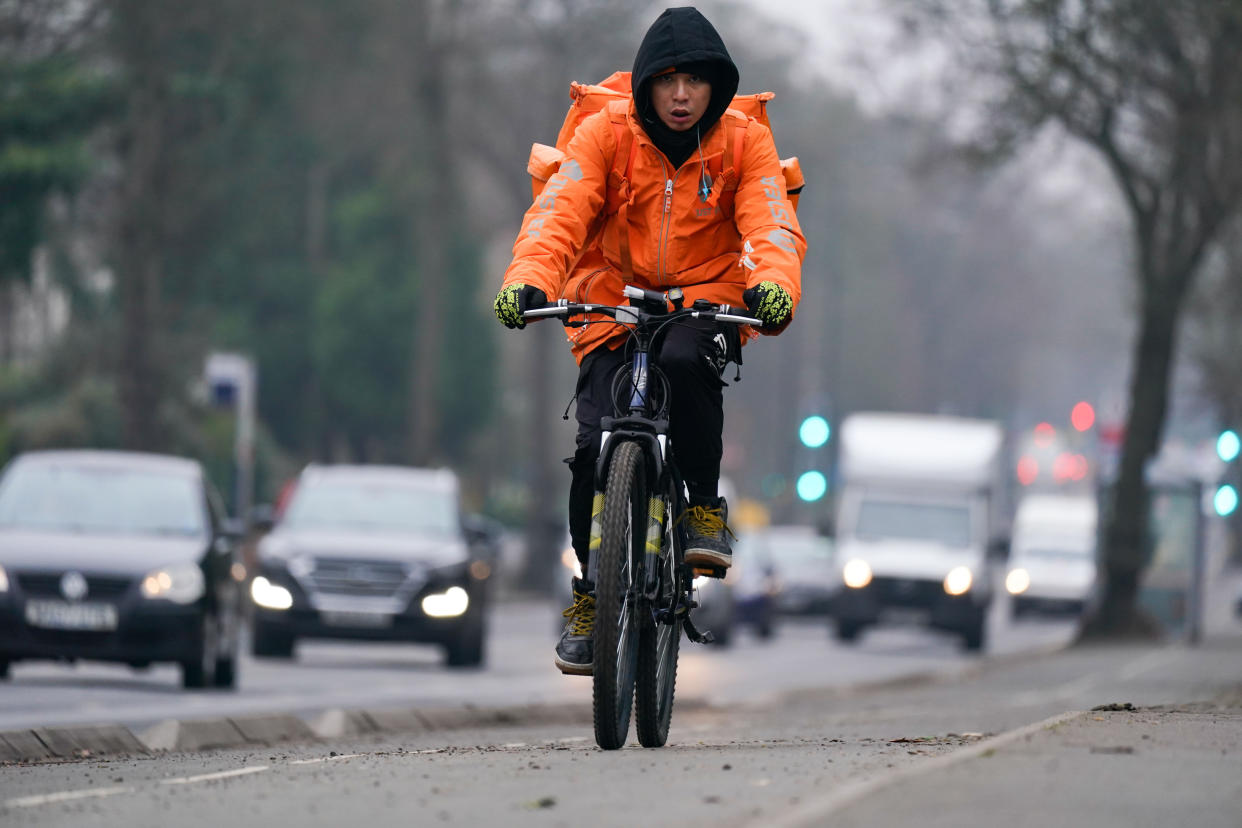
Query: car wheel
<point x="848" y="631"/>
<point x="972" y="638"/>
<point x="467" y="648"/>
<point x="271" y="642"/>
<point x="198" y="670"/>
<point x="974" y="632"/>
<point x="767" y="627"/>
<point x="225" y="676"/>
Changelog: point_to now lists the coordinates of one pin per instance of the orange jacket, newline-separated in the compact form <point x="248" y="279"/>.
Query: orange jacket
<point x="712" y="251"/>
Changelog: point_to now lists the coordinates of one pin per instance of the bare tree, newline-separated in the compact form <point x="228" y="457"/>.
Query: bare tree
<point x="1156" y="90"/>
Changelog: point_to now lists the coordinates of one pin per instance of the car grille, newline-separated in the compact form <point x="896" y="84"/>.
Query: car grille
<point x="48" y="584"/>
<point x="905" y="592"/>
<point x="370" y="579"/>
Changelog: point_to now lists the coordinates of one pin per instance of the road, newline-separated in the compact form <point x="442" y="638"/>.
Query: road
<point x="519" y="670"/>
<point x="740" y="764"/>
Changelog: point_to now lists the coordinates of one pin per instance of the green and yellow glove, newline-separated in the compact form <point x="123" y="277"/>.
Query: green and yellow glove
<point x="514" y="300"/>
<point x="770" y="303"/>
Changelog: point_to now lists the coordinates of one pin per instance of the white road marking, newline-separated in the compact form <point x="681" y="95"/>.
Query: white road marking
<point x="1146" y="664"/>
<point x="208" y="777"/>
<point x="1034" y="698"/>
<point x="325" y="759"/>
<point x="818" y="811"/>
<point x="63" y="796"/>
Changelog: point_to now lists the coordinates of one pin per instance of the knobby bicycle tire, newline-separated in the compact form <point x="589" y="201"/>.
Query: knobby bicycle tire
<point x="658" y="645"/>
<point x="616" y="631"/>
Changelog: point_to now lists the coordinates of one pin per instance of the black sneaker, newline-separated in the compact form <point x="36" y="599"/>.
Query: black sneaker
<point x="575" y="651"/>
<point x="708" y="534"/>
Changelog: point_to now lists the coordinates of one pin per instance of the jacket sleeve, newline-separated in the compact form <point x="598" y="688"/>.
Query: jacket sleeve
<point x="773" y="246"/>
<point x="559" y="222"/>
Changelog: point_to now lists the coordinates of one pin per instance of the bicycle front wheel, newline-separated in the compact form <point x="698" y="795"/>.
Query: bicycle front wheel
<point x="618" y="583"/>
<point x="658" y="644"/>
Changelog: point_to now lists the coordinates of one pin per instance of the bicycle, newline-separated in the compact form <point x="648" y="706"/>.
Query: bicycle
<point x="643" y="587"/>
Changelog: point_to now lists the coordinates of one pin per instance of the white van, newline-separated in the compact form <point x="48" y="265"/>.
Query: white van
<point x="920" y="521"/>
<point x="1052" y="564"/>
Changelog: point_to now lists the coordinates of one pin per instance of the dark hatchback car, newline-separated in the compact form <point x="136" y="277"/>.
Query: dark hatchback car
<point x="373" y="553"/>
<point x="117" y="556"/>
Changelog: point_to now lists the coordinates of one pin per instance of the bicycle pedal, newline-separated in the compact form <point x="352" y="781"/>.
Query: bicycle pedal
<point x="710" y="571"/>
<point x="692" y="633"/>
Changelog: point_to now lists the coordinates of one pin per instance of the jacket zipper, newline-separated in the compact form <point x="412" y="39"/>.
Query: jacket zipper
<point x="665" y="222"/>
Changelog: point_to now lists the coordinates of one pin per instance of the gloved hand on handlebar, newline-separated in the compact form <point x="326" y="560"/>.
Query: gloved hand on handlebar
<point x="514" y="300"/>
<point x="770" y="303"/>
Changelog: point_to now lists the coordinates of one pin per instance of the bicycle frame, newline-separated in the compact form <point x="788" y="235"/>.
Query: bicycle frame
<point x="644" y="594"/>
<point x="647" y="317"/>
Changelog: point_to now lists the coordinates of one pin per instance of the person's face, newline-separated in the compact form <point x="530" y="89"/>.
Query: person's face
<point x="680" y="99"/>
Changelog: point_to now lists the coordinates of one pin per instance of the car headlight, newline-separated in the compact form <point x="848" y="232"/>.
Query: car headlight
<point x="181" y="584"/>
<point x="958" y="581"/>
<point x="856" y="574"/>
<point x="268" y="595"/>
<point x="4" y="580"/>
<point x="448" y="604"/>
<point x="1017" y="581"/>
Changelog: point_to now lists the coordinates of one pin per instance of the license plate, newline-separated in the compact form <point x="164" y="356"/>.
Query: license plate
<point x="61" y="615"/>
<point x="366" y="620"/>
<point x="906" y="615"/>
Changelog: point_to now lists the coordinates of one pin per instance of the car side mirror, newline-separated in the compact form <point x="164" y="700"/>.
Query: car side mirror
<point x="483" y="535"/>
<point x="262" y="518"/>
<point x="233" y="528"/>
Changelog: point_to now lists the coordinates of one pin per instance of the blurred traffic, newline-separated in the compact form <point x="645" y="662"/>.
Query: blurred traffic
<point x="371" y="553"/>
<point x="118" y="556"/>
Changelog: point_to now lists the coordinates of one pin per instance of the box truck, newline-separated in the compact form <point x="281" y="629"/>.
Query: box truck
<point x="921" y="521"/>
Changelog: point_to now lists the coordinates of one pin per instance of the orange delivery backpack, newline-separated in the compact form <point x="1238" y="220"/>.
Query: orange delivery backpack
<point x="613" y="94"/>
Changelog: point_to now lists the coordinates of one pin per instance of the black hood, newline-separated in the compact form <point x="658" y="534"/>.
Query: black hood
<point x="682" y="38"/>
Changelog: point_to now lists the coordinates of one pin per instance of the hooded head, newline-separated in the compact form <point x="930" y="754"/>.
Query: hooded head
<point x="683" y="40"/>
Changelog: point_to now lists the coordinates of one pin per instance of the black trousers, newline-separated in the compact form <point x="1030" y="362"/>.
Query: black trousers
<point x="692" y="356"/>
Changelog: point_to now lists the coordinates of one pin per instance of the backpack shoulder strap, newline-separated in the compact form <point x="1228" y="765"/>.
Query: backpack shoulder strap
<point x="620" y="176"/>
<point x="734" y="142"/>
<point x="623" y="158"/>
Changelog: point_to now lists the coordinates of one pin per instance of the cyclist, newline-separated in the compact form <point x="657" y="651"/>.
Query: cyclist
<point x="742" y="248"/>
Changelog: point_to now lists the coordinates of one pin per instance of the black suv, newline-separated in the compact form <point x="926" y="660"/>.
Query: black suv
<point x="377" y="553"/>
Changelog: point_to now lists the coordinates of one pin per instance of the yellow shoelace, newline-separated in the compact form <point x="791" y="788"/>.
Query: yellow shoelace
<point x="581" y="615"/>
<point x="707" y="521"/>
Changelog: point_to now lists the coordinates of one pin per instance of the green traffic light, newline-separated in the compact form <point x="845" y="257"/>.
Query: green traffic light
<point x="812" y="486"/>
<point x="1226" y="500"/>
<point x="814" y="431"/>
<point x="1228" y="445"/>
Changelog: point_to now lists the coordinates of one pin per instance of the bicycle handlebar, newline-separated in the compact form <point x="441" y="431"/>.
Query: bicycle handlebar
<point x="564" y="309"/>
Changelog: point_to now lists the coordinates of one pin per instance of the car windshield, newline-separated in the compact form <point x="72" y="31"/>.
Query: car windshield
<point x="1060" y="553"/>
<point x="805" y="551"/>
<point x="946" y="524"/>
<point x="372" y="506"/>
<point x="101" y="499"/>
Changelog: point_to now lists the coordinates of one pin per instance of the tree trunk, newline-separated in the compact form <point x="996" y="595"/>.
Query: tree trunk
<point x="548" y="521"/>
<point x="8" y="322"/>
<point x="139" y="268"/>
<point x="1127" y="550"/>
<point x="435" y="212"/>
